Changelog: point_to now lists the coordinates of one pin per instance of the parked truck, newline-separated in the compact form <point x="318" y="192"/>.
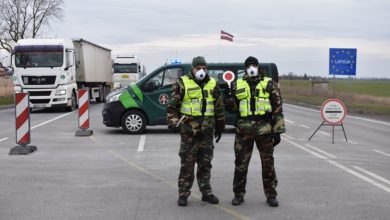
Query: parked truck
<point x="52" y="70"/>
<point x="126" y="70"/>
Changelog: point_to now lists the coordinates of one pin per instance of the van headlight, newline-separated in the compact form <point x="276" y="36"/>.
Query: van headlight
<point x="114" y="95"/>
<point x="113" y="98"/>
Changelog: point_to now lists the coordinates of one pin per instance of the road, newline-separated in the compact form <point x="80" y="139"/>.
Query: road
<point x="111" y="175"/>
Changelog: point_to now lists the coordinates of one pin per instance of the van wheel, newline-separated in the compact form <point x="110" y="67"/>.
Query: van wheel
<point x="133" y="122"/>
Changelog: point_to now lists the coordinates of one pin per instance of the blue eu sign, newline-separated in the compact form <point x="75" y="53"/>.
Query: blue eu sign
<point x="342" y="61"/>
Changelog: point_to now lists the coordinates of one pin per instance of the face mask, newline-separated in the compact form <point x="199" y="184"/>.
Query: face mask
<point x="200" y="74"/>
<point x="252" y="71"/>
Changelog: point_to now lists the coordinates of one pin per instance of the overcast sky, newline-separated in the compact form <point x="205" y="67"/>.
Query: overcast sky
<point x="296" y="35"/>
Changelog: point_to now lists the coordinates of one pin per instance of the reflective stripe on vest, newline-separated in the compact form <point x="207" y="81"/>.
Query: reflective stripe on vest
<point x="243" y="94"/>
<point x="192" y="100"/>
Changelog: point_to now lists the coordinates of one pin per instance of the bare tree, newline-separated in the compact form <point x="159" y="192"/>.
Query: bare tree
<point x="21" y="19"/>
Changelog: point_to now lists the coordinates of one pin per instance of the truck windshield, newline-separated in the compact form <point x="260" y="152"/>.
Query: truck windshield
<point x="125" y="68"/>
<point x="39" y="56"/>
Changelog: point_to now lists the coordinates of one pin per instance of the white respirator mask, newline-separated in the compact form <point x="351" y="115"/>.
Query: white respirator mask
<point x="252" y="71"/>
<point x="200" y="75"/>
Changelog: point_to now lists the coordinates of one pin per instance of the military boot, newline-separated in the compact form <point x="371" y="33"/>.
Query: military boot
<point x="237" y="200"/>
<point x="210" y="198"/>
<point x="182" y="201"/>
<point x="272" y="201"/>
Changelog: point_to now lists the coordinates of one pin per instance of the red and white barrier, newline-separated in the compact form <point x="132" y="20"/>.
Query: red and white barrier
<point x="22" y="115"/>
<point x="83" y="97"/>
<point x="83" y="109"/>
<point x="22" y="125"/>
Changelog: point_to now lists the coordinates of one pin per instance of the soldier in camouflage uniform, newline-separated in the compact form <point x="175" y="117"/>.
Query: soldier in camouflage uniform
<point x="258" y="104"/>
<point x="196" y="109"/>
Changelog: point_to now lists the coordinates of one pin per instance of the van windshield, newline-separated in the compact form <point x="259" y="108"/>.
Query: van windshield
<point x="125" y="68"/>
<point x="39" y="56"/>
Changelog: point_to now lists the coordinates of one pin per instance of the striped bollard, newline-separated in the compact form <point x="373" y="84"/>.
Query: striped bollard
<point x="83" y="113"/>
<point x="22" y="125"/>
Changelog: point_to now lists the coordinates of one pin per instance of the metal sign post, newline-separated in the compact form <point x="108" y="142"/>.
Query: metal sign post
<point x="333" y="112"/>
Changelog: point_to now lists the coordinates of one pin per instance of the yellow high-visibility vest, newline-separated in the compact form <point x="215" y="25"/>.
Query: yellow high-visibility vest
<point x="192" y="100"/>
<point x="262" y="103"/>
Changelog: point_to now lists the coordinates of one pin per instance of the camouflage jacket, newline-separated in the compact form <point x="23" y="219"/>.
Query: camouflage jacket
<point x="192" y="124"/>
<point x="273" y="123"/>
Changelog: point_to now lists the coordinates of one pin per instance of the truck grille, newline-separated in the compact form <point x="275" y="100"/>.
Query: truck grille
<point x="39" y="93"/>
<point x="39" y="101"/>
<point x="39" y="80"/>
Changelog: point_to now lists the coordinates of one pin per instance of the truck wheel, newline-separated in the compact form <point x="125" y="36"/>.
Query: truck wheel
<point x="133" y="122"/>
<point x="73" y="106"/>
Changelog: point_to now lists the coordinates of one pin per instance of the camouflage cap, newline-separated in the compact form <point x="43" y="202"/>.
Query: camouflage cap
<point x="198" y="61"/>
<point x="251" y="61"/>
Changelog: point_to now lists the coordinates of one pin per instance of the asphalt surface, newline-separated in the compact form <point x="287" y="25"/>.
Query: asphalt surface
<point x="111" y="175"/>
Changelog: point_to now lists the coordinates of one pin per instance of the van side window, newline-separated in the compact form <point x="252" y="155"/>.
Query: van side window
<point x="171" y="76"/>
<point x="153" y="83"/>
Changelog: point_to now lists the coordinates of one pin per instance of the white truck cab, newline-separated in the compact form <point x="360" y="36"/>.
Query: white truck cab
<point x="45" y="69"/>
<point x="51" y="71"/>
<point x="126" y="70"/>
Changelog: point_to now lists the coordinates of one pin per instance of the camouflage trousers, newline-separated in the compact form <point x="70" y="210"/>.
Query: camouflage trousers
<point x="243" y="148"/>
<point x="195" y="150"/>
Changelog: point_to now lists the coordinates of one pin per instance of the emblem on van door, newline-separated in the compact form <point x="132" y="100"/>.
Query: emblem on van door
<point x="163" y="99"/>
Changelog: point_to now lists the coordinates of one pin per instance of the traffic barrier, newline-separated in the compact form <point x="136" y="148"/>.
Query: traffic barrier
<point x="83" y="113"/>
<point x="22" y="125"/>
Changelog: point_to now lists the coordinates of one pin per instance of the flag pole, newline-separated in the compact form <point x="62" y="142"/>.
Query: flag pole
<point x="219" y="49"/>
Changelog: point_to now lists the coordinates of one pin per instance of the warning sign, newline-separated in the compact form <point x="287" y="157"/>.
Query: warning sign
<point x="228" y="77"/>
<point x="333" y="111"/>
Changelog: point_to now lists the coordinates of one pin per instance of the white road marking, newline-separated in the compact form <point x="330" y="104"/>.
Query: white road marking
<point x="342" y="167"/>
<point x="381" y="152"/>
<point x="43" y="123"/>
<point x="4" y="139"/>
<point x="373" y="182"/>
<point x="295" y="106"/>
<point x="291" y="122"/>
<point x="349" y="141"/>
<point x="51" y="120"/>
<point x="320" y="151"/>
<point x="372" y="174"/>
<point x="141" y="144"/>
<point x="323" y="132"/>
<point x="304" y="126"/>
<point x="348" y="116"/>
<point x="305" y="149"/>
<point x="369" y="120"/>
<point x="285" y="135"/>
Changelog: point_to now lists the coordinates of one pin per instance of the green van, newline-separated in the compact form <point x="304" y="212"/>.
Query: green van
<point x="144" y="103"/>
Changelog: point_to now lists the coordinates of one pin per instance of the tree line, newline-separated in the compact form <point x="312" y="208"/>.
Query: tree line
<point x="21" y="19"/>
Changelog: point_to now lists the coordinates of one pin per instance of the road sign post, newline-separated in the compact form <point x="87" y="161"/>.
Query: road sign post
<point x="333" y="112"/>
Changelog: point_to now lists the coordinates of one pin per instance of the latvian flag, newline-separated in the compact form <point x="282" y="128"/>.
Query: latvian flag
<point x="226" y="36"/>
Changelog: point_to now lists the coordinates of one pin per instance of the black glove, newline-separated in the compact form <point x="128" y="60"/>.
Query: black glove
<point x="276" y="138"/>
<point x="228" y="92"/>
<point x="173" y="128"/>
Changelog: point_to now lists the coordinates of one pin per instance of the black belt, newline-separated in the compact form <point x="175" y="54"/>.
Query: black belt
<point x="265" y="117"/>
